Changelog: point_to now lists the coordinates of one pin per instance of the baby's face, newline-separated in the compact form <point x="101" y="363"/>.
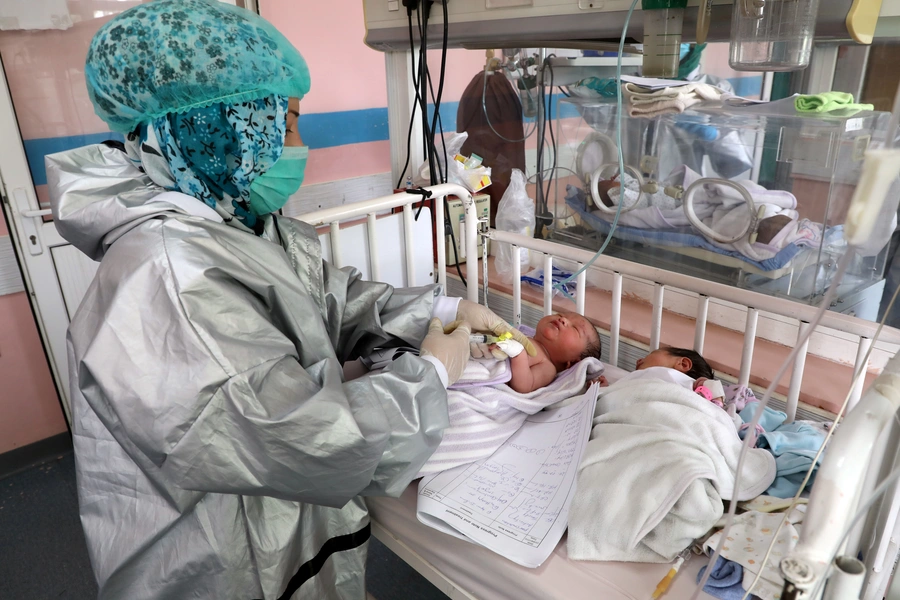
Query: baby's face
<point x="565" y="336"/>
<point x="657" y="358"/>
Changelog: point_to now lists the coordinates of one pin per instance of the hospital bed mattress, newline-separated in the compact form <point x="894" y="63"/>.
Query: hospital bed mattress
<point x="488" y="576"/>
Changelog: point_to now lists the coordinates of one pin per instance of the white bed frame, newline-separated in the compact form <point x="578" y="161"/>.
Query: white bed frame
<point x="860" y="456"/>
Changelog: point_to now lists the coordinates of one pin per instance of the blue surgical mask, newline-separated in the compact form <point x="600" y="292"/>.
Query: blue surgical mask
<point x="271" y="190"/>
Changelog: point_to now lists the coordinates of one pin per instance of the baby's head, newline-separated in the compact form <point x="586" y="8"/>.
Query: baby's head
<point x="567" y="338"/>
<point x="681" y="359"/>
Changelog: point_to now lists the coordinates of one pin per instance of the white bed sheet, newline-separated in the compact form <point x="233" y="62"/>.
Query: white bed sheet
<point x="488" y="576"/>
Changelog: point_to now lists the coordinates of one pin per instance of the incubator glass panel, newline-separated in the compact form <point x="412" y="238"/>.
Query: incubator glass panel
<point x="742" y="196"/>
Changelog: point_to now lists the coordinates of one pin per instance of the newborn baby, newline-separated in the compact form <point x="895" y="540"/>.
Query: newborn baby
<point x="677" y="365"/>
<point x="561" y="341"/>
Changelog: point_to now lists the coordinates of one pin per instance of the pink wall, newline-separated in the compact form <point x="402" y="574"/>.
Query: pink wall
<point x="29" y="408"/>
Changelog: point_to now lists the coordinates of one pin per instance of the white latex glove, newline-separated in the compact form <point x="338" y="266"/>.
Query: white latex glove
<point x="481" y="318"/>
<point x="451" y="349"/>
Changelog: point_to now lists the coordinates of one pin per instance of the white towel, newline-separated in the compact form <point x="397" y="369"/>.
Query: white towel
<point x="660" y="461"/>
<point x="643" y="102"/>
<point x="482" y="418"/>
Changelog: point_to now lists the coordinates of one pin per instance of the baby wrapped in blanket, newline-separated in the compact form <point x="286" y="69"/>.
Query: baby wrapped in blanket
<point x="660" y="463"/>
<point x="719" y="207"/>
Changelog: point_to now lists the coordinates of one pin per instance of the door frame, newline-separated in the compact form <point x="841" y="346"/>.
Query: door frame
<point x="24" y="218"/>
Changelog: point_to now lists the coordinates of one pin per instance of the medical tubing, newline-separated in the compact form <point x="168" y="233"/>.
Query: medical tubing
<point x="751" y="435"/>
<point x="561" y="285"/>
<point x="812" y="467"/>
<point x="488" y="119"/>
<point x="548" y="119"/>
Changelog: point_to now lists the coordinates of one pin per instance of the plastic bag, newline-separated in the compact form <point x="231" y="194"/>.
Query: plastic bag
<point x="474" y="179"/>
<point x="454" y="143"/>
<point x="536" y="278"/>
<point x="515" y="214"/>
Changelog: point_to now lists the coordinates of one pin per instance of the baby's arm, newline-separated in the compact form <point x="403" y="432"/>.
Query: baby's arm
<point x="527" y="378"/>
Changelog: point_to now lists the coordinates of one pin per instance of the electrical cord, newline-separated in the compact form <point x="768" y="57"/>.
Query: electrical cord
<point x="856" y="378"/>
<point x="423" y="85"/>
<point x="412" y="116"/>
<point x="750" y="438"/>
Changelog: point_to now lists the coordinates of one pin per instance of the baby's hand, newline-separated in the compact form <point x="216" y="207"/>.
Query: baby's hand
<point x="699" y="382"/>
<point x="601" y="381"/>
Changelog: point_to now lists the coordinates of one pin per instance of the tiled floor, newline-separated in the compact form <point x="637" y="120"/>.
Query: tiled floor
<point x="43" y="554"/>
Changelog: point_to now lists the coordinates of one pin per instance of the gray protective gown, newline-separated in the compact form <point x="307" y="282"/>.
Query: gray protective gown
<point x="219" y="452"/>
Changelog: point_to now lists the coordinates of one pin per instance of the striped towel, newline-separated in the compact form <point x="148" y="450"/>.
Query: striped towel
<point x="482" y="418"/>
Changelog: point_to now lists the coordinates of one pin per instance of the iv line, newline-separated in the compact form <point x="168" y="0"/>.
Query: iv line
<point x="561" y="286"/>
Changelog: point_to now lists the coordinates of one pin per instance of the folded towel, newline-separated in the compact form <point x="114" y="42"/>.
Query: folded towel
<point x="660" y="461"/>
<point x="482" y="418"/>
<point x="794" y="446"/>
<point x="725" y="580"/>
<point x="827" y="102"/>
<point x="644" y="102"/>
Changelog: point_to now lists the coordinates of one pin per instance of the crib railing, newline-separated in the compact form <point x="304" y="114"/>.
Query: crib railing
<point x="370" y="209"/>
<point x="662" y="280"/>
<point x="860" y="455"/>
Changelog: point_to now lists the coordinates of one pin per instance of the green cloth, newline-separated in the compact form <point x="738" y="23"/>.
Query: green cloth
<point x="827" y="102"/>
<point x="691" y="61"/>
<point x="174" y="56"/>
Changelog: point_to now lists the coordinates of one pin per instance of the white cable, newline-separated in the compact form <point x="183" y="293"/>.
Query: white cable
<point x="488" y="119"/>
<point x="840" y="413"/>
<point x="561" y="286"/>
<point x="751" y="433"/>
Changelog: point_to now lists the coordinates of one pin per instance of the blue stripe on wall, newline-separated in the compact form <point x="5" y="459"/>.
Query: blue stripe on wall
<point x="35" y="150"/>
<point x="747" y="86"/>
<point x="322" y="130"/>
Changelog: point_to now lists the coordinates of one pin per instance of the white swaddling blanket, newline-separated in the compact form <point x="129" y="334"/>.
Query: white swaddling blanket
<point x="483" y="371"/>
<point x="482" y="418"/>
<point x="660" y="461"/>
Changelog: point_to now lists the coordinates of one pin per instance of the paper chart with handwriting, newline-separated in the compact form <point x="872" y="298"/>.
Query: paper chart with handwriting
<point x="515" y="503"/>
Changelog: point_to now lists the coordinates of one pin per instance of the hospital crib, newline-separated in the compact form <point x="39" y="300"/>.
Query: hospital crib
<point x="860" y="456"/>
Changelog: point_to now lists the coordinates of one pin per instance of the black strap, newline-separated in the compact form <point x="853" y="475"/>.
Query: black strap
<point x="311" y="568"/>
<point x="114" y="144"/>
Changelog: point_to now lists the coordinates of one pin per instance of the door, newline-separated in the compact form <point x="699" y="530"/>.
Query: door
<point x="44" y="108"/>
<point x="56" y="273"/>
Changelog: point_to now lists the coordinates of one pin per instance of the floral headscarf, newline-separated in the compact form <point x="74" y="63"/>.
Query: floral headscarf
<point x="214" y="153"/>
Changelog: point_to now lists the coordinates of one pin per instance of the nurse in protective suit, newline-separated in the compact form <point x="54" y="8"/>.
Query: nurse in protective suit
<point x="220" y="454"/>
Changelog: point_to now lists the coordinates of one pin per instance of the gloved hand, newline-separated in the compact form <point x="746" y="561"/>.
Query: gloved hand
<point x="481" y="318"/>
<point x="452" y="348"/>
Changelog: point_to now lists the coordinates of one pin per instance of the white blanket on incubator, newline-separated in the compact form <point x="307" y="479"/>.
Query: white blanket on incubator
<point x="482" y="418"/>
<point x="659" y="464"/>
<point x="719" y="207"/>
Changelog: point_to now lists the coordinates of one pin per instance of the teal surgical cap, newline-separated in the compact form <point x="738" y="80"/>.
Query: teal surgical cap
<point x="172" y="56"/>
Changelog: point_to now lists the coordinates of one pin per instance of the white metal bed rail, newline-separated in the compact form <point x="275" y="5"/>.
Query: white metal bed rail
<point x="333" y="217"/>
<point x="863" y="451"/>
<point x="661" y="279"/>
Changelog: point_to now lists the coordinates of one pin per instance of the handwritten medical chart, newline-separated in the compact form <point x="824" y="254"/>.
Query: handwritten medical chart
<point x="515" y="503"/>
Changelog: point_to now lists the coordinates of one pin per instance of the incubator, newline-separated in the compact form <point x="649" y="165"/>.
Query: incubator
<point x="753" y="196"/>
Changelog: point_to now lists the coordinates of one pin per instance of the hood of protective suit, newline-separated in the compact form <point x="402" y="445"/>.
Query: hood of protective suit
<point x="98" y="195"/>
